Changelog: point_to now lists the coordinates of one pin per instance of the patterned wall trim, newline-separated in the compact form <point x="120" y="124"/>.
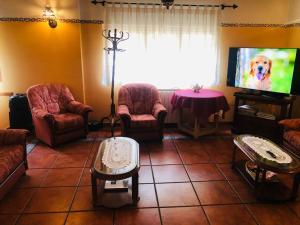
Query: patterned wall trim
<point x="266" y="25"/>
<point x="8" y="19"/>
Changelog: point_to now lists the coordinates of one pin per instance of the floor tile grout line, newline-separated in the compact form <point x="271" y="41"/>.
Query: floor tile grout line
<point x="155" y="189"/>
<point x="77" y="187"/>
<point x="207" y="219"/>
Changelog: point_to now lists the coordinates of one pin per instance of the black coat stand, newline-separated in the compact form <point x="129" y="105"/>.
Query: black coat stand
<point x="115" y="39"/>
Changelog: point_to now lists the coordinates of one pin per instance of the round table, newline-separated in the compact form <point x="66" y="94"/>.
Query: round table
<point x="202" y="104"/>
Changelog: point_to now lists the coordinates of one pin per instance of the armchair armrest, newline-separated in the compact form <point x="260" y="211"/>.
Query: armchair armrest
<point x="293" y="124"/>
<point x="123" y="112"/>
<point x="42" y="114"/>
<point x="13" y="136"/>
<point x="159" y="112"/>
<point x="78" y="108"/>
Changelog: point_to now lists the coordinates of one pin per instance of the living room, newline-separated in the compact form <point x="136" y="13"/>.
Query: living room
<point x="72" y="53"/>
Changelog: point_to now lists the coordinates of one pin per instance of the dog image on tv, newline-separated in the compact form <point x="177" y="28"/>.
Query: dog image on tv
<point x="265" y="69"/>
<point x="260" y="73"/>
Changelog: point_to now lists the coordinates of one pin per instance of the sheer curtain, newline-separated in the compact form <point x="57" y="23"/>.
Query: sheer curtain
<point x="174" y="48"/>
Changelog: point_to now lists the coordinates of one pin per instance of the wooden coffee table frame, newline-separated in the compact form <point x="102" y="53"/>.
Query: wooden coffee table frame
<point x="261" y="187"/>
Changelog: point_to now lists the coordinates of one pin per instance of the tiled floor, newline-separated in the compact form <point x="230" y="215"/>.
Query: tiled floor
<point x="182" y="182"/>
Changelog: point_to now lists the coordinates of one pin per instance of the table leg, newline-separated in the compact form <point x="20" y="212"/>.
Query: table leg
<point x="295" y="186"/>
<point x="94" y="189"/>
<point x="135" y="188"/>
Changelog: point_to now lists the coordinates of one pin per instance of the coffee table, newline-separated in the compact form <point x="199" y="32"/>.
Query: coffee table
<point x="117" y="159"/>
<point x="282" y="162"/>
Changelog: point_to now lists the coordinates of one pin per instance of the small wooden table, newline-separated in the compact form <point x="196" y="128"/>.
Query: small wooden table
<point x="202" y="104"/>
<point x="273" y="190"/>
<point x="101" y="172"/>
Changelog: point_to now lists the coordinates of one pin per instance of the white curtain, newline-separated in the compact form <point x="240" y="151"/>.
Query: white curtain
<point x="175" y="48"/>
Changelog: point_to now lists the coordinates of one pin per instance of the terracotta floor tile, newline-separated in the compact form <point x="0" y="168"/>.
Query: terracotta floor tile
<point x="160" y="146"/>
<point x="194" y="155"/>
<point x="215" y="192"/>
<point x="103" y="217"/>
<point x="42" y="219"/>
<point x="137" y="217"/>
<point x="83" y="199"/>
<point x="62" y="177"/>
<point x="163" y="157"/>
<point x="295" y="206"/>
<point x="183" y="215"/>
<point x="8" y="219"/>
<point x="145" y="174"/>
<point x="228" y="172"/>
<point x="144" y="158"/>
<point x="245" y="192"/>
<point x="267" y="214"/>
<point x="204" y="172"/>
<point x="86" y="177"/>
<point x="147" y="196"/>
<point x="36" y="160"/>
<point x="77" y="147"/>
<point x="220" y="156"/>
<point x="70" y="160"/>
<point x="56" y="199"/>
<point x="229" y="215"/>
<point x="43" y="150"/>
<point x="169" y="173"/>
<point x="176" y="194"/>
<point x="33" y="178"/>
<point x="16" y="200"/>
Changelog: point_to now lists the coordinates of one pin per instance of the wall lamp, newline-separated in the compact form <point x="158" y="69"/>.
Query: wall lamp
<point x="49" y="15"/>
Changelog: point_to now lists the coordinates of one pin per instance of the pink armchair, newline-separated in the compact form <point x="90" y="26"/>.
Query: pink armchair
<point x="57" y="117"/>
<point x="13" y="160"/>
<point x="291" y="134"/>
<point x="141" y="112"/>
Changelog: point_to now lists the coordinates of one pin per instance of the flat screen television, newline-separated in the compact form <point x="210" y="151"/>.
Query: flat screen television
<point x="268" y="70"/>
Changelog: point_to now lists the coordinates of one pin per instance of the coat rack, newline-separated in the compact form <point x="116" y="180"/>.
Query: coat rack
<point x="115" y="39"/>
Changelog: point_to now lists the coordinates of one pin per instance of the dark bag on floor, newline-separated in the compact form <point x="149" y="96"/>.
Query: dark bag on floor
<point x="19" y="112"/>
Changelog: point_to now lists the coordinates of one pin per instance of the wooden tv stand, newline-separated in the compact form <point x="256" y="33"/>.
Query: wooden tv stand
<point x="244" y="123"/>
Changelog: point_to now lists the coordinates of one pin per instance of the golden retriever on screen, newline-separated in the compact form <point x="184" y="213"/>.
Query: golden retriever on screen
<point x="260" y="72"/>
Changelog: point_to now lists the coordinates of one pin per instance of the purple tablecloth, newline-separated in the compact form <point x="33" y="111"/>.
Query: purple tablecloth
<point x="202" y="104"/>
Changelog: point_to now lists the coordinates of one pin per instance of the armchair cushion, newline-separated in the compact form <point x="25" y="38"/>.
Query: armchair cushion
<point x="67" y="121"/>
<point x="293" y="124"/>
<point x="143" y="121"/>
<point x="10" y="157"/>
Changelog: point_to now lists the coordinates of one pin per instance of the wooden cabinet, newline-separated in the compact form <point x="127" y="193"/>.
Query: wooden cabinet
<point x="248" y="123"/>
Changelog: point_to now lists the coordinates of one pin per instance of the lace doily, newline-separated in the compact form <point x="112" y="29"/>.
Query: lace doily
<point x="117" y="154"/>
<point x="267" y="150"/>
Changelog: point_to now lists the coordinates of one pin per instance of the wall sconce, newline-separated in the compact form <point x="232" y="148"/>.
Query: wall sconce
<point x="167" y="3"/>
<point x="49" y="15"/>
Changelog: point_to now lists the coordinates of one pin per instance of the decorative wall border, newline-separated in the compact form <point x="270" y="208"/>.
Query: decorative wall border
<point x="36" y="19"/>
<point x="233" y="25"/>
<point x="255" y="25"/>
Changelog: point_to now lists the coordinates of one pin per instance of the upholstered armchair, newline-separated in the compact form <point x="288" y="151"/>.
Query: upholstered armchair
<point x="291" y="134"/>
<point x="56" y="116"/>
<point x="141" y="112"/>
<point x="13" y="160"/>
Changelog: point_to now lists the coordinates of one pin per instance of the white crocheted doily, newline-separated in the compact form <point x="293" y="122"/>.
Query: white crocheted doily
<point x="267" y="149"/>
<point x="117" y="154"/>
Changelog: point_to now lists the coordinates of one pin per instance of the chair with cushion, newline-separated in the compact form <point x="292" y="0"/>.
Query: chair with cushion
<point x="13" y="162"/>
<point x="57" y="117"/>
<point x="141" y="112"/>
<point x="291" y="134"/>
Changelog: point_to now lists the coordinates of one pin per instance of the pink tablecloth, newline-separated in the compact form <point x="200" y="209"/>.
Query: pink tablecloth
<point x="202" y="104"/>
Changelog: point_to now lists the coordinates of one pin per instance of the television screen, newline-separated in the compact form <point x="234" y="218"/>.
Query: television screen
<point x="265" y="69"/>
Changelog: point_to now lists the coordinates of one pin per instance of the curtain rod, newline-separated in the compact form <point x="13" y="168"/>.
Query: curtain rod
<point x="222" y="6"/>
